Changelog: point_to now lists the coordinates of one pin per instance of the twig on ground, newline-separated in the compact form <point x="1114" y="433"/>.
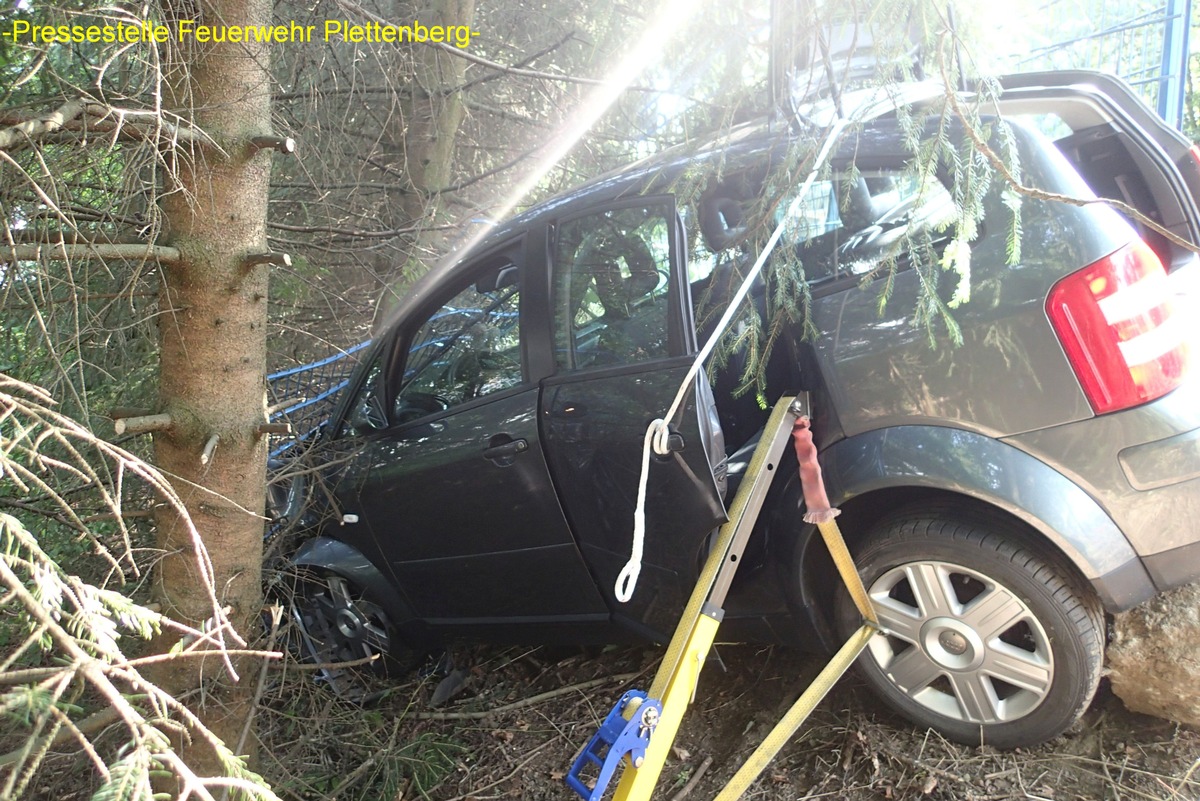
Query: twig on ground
<point x="276" y="617"/>
<point x="520" y="766"/>
<point x="921" y="764"/>
<point x="314" y="666"/>
<point x="694" y="780"/>
<point x="524" y="702"/>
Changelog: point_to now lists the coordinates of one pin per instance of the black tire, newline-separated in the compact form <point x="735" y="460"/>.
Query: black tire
<point x="337" y="623"/>
<point x="1003" y="647"/>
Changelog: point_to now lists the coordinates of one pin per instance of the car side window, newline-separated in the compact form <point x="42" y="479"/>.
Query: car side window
<point x="610" y="287"/>
<point x="813" y="215"/>
<point x="849" y="225"/>
<point x="468" y="348"/>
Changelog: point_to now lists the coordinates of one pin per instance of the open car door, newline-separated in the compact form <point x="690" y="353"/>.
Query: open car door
<point x="623" y="340"/>
<point x="1121" y="148"/>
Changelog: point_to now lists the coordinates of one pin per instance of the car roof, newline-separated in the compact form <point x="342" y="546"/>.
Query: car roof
<point x="654" y="174"/>
<point x="659" y="172"/>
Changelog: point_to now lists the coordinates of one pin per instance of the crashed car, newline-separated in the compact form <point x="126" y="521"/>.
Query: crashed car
<point x="1000" y="496"/>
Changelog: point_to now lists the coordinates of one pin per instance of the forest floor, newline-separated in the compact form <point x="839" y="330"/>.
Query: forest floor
<point x="521" y="716"/>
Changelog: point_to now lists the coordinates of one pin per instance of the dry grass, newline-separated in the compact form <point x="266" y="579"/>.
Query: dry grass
<point x="489" y="742"/>
<point x="522" y="715"/>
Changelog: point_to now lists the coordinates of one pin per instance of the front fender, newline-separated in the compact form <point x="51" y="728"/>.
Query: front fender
<point x="347" y="561"/>
<point x="988" y="470"/>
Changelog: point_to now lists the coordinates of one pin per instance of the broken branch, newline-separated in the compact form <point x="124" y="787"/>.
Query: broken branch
<point x="210" y="446"/>
<point x="270" y="257"/>
<point x="160" y="253"/>
<point x="84" y="117"/>
<point x="32" y="129"/>
<point x="142" y="425"/>
<point x="284" y="144"/>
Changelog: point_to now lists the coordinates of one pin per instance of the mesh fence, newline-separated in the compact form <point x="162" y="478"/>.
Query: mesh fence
<point x="305" y="396"/>
<point x="1143" y="41"/>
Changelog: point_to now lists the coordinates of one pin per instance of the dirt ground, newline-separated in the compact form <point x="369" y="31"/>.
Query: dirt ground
<point x="522" y="715"/>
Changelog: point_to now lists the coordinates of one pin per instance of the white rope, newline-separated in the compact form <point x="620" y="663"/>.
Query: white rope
<point x="628" y="578"/>
<point x="658" y="433"/>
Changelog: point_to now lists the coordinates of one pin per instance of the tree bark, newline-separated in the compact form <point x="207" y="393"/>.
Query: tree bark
<point x="213" y="353"/>
<point x="428" y="127"/>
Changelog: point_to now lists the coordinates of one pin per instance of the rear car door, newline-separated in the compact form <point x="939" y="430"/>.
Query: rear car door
<point x="451" y="480"/>
<point x="623" y="340"/>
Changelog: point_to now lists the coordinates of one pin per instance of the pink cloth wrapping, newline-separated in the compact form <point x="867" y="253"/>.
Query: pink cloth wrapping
<point x="816" y="502"/>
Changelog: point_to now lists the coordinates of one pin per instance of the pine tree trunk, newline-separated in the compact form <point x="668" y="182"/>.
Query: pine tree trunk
<point x="433" y="111"/>
<point x="426" y="132"/>
<point x="213" y="352"/>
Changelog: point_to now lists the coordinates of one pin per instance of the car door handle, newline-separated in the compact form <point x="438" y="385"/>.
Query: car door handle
<point x="506" y="449"/>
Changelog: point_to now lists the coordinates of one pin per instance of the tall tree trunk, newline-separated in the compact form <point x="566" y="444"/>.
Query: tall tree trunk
<point x="433" y="111"/>
<point x="426" y="131"/>
<point x="213" y="338"/>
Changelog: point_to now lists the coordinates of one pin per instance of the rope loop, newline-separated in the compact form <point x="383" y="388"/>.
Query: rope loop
<point x="660" y="434"/>
<point x="657" y="437"/>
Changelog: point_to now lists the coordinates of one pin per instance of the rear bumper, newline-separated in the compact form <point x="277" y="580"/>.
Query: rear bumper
<point x="1175" y="567"/>
<point x="1142" y="466"/>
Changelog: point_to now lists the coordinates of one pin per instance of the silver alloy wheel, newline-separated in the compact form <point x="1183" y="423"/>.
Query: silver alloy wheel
<point x="959" y="643"/>
<point x="337" y="626"/>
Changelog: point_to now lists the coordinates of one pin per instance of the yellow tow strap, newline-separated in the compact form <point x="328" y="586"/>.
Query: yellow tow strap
<point x="675" y="682"/>
<point x="823" y="683"/>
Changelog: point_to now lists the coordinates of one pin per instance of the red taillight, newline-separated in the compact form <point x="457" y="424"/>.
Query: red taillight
<point x="1120" y="331"/>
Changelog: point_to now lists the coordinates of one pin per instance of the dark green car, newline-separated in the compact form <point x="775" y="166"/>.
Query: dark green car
<point x="1000" y="496"/>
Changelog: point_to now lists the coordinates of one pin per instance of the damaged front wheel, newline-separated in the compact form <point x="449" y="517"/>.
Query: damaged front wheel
<point x="347" y="635"/>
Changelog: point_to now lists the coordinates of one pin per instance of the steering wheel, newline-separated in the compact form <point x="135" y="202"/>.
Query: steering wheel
<point x="861" y="239"/>
<point x="415" y="405"/>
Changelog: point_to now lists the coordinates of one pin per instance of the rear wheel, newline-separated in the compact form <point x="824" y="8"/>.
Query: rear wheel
<point x="985" y="641"/>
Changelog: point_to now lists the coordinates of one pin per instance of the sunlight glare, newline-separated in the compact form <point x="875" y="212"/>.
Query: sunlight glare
<point x="649" y="46"/>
